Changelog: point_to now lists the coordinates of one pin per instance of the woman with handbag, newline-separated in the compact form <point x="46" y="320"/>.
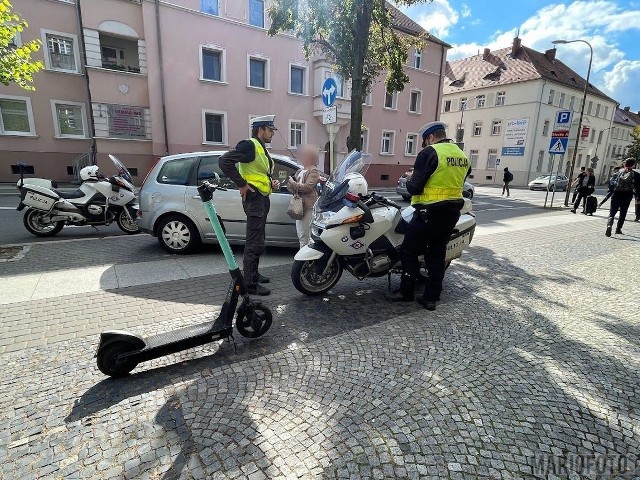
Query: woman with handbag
<point x="303" y="186"/>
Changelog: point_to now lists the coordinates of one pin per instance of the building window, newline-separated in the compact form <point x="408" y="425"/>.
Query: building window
<point x="540" y="160"/>
<point x="593" y="135"/>
<point x="417" y="58"/>
<point x="561" y="101"/>
<point x="606" y="112"/>
<point x="297" y="133"/>
<point x="552" y="93"/>
<point x="256" y="13"/>
<point x="340" y="83"/>
<point x="572" y="102"/>
<point x="112" y="57"/>
<point x="463" y="103"/>
<point x="69" y="119"/>
<point x="473" y="156"/>
<point x="297" y="80"/>
<point x="460" y="132"/>
<point x="500" y="98"/>
<point x="589" y="107"/>
<point x="496" y="127"/>
<point x="545" y="128"/>
<point x="480" y="101"/>
<point x="447" y="105"/>
<point x="364" y="141"/>
<point x="214" y="127"/>
<point x="368" y="100"/>
<point x="212" y="64"/>
<point x="600" y="137"/>
<point x="61" y="51"/>
<point x="597" y="109"/>
<point x="15" y="42"/>
<point x="391" y="100"/>
<point x="258" y="73"/>
<point x="491" y="159"/>
<point x="209" y="6"/>
<point x="415" y="102"/>
<point x="477" y="129"/>
<point x="411" y="147"/>
<point x="388" y="139"/>
<point x="16" y="116"/>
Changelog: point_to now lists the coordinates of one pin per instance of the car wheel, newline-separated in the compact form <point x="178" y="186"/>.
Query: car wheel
<point x="177" y="234"/>
<point x="469" y="194"/>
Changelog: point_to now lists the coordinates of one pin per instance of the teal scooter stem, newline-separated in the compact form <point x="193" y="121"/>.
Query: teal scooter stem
<point x="119" y="351"/>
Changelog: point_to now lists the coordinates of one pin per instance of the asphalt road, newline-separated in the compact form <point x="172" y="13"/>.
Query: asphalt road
<point x="488" y="203"/>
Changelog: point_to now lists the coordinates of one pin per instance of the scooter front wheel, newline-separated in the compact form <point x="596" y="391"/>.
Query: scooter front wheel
<point x="307" y="279"/>
<point x="108" y="362"/>
<point x="253" y="321"/>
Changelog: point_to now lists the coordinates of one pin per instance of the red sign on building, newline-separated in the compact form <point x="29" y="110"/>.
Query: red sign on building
<point x="585" y="132"/>
<point x="560" y="134"/>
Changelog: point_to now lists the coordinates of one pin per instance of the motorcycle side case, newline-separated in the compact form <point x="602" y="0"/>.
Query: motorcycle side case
<point x="38" y="197"/>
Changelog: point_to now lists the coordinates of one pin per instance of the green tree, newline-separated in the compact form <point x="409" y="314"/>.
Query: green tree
<point x="356" y="36"/>
<point x="634" y="148"/>
<point x="16" y="65"/>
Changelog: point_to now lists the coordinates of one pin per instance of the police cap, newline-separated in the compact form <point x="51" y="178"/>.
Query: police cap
<point x="431" y="127"/>
<point x="265" y="121"/>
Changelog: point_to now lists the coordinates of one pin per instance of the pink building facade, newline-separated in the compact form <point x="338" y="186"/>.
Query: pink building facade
<point x="142" y="79"/>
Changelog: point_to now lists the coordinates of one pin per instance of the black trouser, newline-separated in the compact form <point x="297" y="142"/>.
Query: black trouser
<point x="428" y="234"/>
<point x="256" y="207"/>
<point x="638" y="207"/>
<point x="619" y="201"/>
<point x="505" y="186"/>
<point x="582" y="197"/>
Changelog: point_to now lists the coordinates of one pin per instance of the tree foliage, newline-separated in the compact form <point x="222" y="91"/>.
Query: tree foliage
<point x="634" y="149"/>
<point x="356" y="36"/>
<point x="16" y="65"/>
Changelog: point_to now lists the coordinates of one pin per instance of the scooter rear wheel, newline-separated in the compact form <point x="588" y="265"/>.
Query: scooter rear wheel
<point x="253" y="321"/>
<point x="107" y="359"/>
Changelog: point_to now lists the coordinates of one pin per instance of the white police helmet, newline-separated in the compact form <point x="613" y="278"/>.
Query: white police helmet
<point x="89" y="173"/>
<point x="357" y="183"/>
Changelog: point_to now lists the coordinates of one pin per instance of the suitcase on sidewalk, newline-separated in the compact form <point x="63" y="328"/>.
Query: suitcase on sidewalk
<point x="591" y="205"/>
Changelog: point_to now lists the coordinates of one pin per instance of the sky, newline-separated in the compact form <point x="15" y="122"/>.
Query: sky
<point x="612" y="28"/>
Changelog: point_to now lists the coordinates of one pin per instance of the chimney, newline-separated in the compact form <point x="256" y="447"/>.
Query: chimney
<point x="551" y="54"/>
<point x="626" y="109"/>
<point x="486" y="54"/>
<point x="517" y="43"/>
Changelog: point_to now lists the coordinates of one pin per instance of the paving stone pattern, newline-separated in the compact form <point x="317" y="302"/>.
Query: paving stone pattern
<point x="533" y="355"/>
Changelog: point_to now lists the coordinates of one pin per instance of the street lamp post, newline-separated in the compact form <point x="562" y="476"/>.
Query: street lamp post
<point x="460" y="133"/>
<point x="584" y="100"/>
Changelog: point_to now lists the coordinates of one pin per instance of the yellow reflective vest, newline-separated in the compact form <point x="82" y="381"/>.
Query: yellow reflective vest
<point x="447" y="182"/>
<point x="258" y="172"/>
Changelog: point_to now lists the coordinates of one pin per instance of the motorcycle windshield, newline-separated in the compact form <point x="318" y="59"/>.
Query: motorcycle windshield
<point x="120" y="168"/>
<point x="337" y="187"/>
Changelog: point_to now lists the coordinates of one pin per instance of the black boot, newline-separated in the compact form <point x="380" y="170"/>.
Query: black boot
<point x="405" y="292"/>
<point x="609" y="226"/>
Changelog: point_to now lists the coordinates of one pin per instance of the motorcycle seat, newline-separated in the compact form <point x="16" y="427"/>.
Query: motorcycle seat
<point x="69" y="194"/>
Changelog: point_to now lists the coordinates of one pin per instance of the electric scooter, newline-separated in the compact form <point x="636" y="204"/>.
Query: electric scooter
<point x="119" y="351"/>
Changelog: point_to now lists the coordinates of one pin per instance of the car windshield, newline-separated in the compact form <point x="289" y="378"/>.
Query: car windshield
<point x="337" y="187"/>
<point x="120" y="168"/>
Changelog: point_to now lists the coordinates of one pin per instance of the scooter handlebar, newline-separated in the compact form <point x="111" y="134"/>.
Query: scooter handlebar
<point x="206" y="189"/>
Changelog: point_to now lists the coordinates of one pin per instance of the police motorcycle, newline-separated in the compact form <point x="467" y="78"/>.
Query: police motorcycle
<point x="360" y="232"/>
<point x="99" y="200"/>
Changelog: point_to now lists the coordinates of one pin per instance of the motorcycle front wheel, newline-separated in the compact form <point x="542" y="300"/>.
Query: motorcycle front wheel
<point x="307" y="280"/>
<point x="128" y="226"/>
<point x="35" y="221"/>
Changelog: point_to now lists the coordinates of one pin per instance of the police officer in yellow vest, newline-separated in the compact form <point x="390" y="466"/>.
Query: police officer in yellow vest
<point x="253" y="178"/>
<point x="436" y="185"/>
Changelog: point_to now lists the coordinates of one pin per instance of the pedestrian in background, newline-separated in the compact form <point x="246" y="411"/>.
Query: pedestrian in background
<point x="611" y="187"/>
<point x="304" y="183"/>
<point x="627" y="182"/>
<point x="507" y="178"/>
<point x="576" y="182"/>
<point x="585" y="188"/>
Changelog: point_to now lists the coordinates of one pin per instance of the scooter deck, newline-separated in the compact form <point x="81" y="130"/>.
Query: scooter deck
<point x="198" y="334"/>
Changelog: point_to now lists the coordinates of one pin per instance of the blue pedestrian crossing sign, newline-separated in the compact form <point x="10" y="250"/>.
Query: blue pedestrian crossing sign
<point x="558" y="146"/>
<point x="329" y="91"/>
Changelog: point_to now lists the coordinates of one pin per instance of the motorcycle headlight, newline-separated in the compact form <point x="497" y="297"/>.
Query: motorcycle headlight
<point x="321" y="218"/>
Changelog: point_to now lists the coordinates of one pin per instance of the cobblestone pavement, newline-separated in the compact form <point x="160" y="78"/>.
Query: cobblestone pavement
<point x="528" y="369"/>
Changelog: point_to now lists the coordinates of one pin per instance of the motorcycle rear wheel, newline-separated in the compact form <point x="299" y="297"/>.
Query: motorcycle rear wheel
<point x="307" y="281"/>
<point x="33" y="223"/>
